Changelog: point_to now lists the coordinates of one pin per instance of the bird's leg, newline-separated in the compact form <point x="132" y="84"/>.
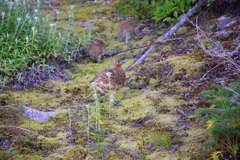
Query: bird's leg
<point x="127" y="37"/>
<point x="100" y="90"/>
<point x="112" y="98"/>
<point x="99" y="59"/>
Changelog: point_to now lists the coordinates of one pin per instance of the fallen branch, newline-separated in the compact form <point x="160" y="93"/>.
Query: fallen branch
<point x="199" y="4"/>
<point x="23" y="129"/>
<point x="109" y="54"/>
<point x="202" y="78"/>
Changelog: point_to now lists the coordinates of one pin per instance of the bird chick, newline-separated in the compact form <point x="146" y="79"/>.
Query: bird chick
<point x="126" y="31"/>
<point x="110" y="79"/>
<point x="96" y="49"/>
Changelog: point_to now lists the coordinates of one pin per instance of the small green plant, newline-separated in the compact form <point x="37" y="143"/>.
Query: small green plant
<point x="95" y="119"/>
<point x="170" y="10"/>
<point x="223" y="120"/>
<point x="28" y="40"/>
<point x="162" y="140"/>
<point x="215" y="155"/>
<point x="137" y="9"/>
<point x="158" y="10"/>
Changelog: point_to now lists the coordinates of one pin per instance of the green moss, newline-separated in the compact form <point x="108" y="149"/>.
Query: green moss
<point x="151" y="108"/>
<point x="191" y="65"/>
<point x="27" y="156"/>
<point x="162" y="154"/>
<point x="71" y="153"/>
<point x="183" y="30"/>
<point x="163" y="100"/>
<point x="162" y="140"/>
<point x="166" y="48"/>
<point x="9" y="115"/>
<point x="135" y="108"/>
<point x="129" y="144"/>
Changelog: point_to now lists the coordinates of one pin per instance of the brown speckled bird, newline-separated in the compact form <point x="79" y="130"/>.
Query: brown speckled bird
<point x="95" y="49"/>
<point x="110" y="79"/>
<point x="126" y="31"/>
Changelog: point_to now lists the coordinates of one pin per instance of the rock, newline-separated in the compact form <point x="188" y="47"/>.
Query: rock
<point x="37" y="115"/>
<point x="149" y="123"/>
<point x="94" y="11"/>
<point x="71" y="132"/>
<point x="6" y="142"/>
<point x="88" y="25"/>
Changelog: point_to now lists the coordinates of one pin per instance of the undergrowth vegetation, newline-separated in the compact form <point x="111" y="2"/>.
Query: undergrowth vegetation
<point x="157" y="10"/>
<point x="222" y="118"/>
<point x="29" y="41"/>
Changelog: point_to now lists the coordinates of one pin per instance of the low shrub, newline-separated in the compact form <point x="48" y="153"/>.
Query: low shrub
<point x="29" y="40"/>
<point x="223" y="117"/>
<point x="157" y="10"/>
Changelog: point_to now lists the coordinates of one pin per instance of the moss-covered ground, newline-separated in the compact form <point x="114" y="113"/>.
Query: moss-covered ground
<point x="152" y="123"/>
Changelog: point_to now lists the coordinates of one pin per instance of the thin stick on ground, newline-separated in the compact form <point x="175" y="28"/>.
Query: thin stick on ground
<point x="192" y="11"/>
<point x="210" y="70"/>
<point x="110" y="54"/>
<point x="22" y="129"/>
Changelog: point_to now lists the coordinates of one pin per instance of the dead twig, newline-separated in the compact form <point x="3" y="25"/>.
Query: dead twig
<point x="109" y="54"/>
<point x="217" y="50"/>
<point x="210" y="70"/>
<point x="22" y="129"/>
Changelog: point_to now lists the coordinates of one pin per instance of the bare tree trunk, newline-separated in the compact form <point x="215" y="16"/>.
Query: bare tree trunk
<point x="193" y="10"/>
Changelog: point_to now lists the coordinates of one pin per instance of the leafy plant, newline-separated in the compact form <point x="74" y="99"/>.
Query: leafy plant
<point x="158" y="10"/>
<point x="136" y="9"/>
<point x="215" y="155"/>
<point x="28" y="40"/>
<point x="223" y="120"/>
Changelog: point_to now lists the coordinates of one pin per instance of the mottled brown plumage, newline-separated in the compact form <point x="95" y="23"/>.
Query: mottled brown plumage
<point x="96" y="49"/>
<point x="126" y="31"/>
<point x="110" y="79"/>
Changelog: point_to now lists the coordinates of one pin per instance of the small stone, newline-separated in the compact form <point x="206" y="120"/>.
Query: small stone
<point x="71" y="132"/>
<point x="137" y="125"/>
<point x="149" y="123"/>
<point x="88" y="25"/>
<point x="6" y="142"/>
<point x="94" y="11"/>
<point x="37" y="115"/>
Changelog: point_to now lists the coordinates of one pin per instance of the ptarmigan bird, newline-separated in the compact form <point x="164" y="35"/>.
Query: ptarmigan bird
<point x="126" y="31"/>
<point x="96" y="49"/>
<point x="110" y="79"/>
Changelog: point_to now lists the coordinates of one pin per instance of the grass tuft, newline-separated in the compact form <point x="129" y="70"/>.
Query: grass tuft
<point x="29" y="41"/>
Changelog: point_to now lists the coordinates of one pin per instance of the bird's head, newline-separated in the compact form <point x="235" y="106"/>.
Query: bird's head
<point x="118" y="63"/>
